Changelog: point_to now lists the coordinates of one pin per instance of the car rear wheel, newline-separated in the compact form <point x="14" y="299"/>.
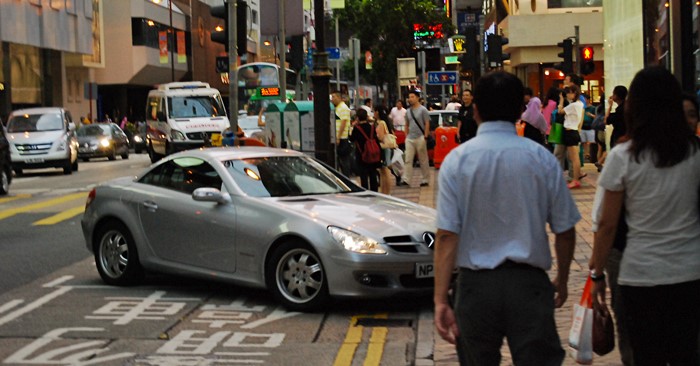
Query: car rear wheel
<point x="296" y="277"/>
<point x="125" y="154"/>
<point x="4" y="181"/>
<point x="112" y="155"/>
<point x="115" y="255"/>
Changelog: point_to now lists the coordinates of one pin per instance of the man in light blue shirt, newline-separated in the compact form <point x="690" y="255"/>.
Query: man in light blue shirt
<point x="497" y="192"/>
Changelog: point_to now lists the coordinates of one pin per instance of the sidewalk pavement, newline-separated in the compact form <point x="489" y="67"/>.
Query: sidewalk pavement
<point x="432" y="350"/>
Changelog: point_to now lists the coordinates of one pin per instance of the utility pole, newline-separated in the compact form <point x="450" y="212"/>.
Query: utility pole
<point x="233" y="65"/>
<point x="282" y="50"/>
<point x="355" y="47"/>
<point x="321" y="75"/>
<point x="578" y="43"/>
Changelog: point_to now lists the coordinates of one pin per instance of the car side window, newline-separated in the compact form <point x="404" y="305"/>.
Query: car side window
<point x="183" y="175"/>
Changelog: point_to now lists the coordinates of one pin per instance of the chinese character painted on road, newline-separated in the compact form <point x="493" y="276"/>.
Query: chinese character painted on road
<point x="123" y="310"/>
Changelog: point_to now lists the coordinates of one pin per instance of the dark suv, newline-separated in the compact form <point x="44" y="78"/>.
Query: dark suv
<point x="5" y="164"/>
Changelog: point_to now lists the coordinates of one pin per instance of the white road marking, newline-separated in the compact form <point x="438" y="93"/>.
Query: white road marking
<point x="34" y="305"/>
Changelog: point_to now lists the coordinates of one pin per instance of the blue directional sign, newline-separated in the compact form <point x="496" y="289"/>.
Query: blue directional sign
<point x="333" y="53"/>
<point x="442" y="77"/>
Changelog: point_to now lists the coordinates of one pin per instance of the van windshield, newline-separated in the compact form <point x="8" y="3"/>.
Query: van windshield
<point x="35" y="122"/>
<point x="195" y="106"/>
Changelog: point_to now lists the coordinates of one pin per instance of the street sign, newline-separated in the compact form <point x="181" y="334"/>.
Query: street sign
<point x="442" y="77"/>
<point x="333" y="53"/>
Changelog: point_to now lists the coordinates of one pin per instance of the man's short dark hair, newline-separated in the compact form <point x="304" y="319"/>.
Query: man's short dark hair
<point x="499" y="97"/>
<point x="527" y="91"/>
<point x="575" y="79"/>
<point x="415" y="92"/>
<point x="368" y="100"/>
<point x="361" y="114"/>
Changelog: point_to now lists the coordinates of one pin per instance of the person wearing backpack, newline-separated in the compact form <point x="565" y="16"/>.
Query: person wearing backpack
<point x="367" y="151"/>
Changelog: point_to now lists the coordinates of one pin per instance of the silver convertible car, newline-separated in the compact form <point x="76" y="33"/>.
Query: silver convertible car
<point x="260" y="217"/>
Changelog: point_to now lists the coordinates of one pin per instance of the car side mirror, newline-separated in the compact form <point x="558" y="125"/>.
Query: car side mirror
<point x="207" y="194"/>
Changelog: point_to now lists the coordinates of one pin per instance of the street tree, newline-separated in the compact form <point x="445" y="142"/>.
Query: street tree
<point x="386" y="29"/>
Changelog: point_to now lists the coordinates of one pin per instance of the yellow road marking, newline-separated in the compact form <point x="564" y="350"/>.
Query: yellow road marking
<point x="353" y="338"/>
<point x="65" y="215"/>
<point x="14" y="211"/>
<point x="12" y="198"/>
<point x="376" y="344"/>
<point x="349" y="346"/>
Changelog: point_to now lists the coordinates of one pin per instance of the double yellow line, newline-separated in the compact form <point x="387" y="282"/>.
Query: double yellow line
<point x="353" y="338"/>
<point x="51" y="220"/>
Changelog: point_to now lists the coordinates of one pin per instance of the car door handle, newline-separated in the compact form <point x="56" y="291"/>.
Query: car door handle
<point x="150" y="205"/>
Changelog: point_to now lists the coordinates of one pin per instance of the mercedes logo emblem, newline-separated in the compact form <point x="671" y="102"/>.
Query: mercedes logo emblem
<point x="429" y="239"/>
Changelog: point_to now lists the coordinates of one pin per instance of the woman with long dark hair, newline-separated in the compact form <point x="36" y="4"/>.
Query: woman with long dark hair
<point x="656" y="174"/>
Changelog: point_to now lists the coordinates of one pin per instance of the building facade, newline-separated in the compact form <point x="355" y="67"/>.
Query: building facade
<point x="42" y="46"/>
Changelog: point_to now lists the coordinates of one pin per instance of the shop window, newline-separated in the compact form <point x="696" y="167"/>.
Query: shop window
<point x="657" y="33"/>
<point x="561" y="4"/>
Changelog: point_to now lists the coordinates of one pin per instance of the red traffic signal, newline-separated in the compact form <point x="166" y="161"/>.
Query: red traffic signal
<point x="587" y="53"/>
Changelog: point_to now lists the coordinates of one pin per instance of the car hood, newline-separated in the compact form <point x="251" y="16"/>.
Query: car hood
<point x="35" y="137"/>
<point x="369" y="214"/>
<point x="91" y="139"/>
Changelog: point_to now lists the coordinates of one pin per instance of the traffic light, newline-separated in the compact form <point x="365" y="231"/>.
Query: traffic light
<point x="566" y="66"/>
<point x="470" y="58"/>
<point x="295" y="52"/>
<point x="587" y="63"/>
<point x="220" y="35"/>
<point x="495" y="50"/>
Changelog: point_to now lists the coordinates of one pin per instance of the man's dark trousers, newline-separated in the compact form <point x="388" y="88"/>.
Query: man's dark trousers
<point x="515" y="301"/>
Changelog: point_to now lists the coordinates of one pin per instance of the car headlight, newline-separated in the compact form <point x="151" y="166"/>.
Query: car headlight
<point x="104" y="143"/>
<point x="177" y="135"/>
<point x="137" y="138"/>
<point x="355" y="242"/>
<point x="61" y="145"/>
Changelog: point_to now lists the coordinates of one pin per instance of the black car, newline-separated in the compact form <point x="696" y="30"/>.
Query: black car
<point x="5" y="163"/>
<point x="102" y="140"/>
<point x="138" y="140"/>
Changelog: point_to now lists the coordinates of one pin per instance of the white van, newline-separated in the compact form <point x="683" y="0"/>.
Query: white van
<point x="183" y="116"/>
<point x="42" y="138"/>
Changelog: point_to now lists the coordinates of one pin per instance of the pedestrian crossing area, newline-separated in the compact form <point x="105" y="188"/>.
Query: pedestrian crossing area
<point x="55" y="209"/>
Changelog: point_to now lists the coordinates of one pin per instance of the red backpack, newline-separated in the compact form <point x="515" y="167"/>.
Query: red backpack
<point x="371" y="153"/>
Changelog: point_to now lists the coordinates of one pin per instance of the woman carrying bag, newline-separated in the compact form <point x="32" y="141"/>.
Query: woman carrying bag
<point x="387" y="139"/>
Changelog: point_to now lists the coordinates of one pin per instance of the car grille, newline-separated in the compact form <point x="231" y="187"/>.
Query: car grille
<point x="200" y="135"/>
<point x="33" y="149"/>
<point x="405" y="243"/>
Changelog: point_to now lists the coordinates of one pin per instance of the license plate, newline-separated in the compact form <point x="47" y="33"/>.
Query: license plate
<point x="216" y="139"/>
<point x="425" y="270"/>
<point x="34" y="160"/>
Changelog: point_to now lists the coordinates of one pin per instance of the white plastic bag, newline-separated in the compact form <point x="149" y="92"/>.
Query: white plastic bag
<point x="581" y="333"/>
<point x="397" y="162"/>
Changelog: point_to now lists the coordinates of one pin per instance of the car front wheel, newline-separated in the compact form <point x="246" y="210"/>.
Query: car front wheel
<point x="4" y="181"/>
<point x="296" y="277"/>
<point x="116" y="257"/>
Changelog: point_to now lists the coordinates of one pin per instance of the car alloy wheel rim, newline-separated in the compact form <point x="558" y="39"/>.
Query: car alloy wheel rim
<point x="299" y="276"/>
<point x="114" y="254"/>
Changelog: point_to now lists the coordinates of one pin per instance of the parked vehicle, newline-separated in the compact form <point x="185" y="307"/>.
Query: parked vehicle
<point x="181" y="116"/>
<point x="42" y="138"/>
<point x="5" y="162"/>
<point x="139" y="140"/>
<point x="102" y="140"/>
<point x="260" y="217"/>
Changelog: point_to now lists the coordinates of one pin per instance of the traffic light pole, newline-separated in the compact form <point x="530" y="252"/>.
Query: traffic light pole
<point x="283" y="52"/>
<point x="322" y="106"/>
<point x="578" y="45"/>
<point x="233" y="65"/>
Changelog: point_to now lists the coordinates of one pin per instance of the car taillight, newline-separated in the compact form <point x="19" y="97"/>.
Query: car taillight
<point x="90" y="198"/>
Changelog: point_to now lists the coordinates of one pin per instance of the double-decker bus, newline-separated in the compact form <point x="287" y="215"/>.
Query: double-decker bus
<point x="257" y="80"/>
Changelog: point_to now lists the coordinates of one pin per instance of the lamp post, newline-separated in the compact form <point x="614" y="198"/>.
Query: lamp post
<point x="321" y="75"/>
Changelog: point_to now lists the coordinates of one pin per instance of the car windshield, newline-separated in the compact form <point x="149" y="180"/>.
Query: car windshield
<point x="93" y="130"/>
<point x="281" y="176"/>
<point x="195" y="106"/>
<point x="35" y="122"/>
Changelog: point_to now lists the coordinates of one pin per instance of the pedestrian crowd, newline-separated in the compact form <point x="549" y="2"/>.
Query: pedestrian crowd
<point x="498" y="191"/>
